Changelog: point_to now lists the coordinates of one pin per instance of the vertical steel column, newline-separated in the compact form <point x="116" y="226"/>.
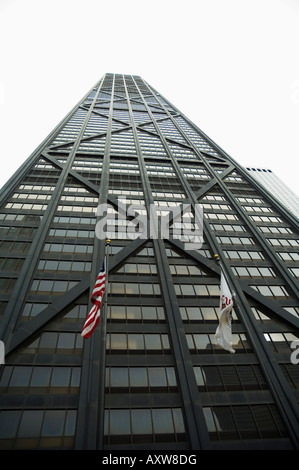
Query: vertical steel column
<point x="90" y="419"/>
<point x="195" y="422"/>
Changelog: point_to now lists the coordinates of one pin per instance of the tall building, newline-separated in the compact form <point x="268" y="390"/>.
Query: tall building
<point x="277" y="187"/>
<point x="151" y="376"/>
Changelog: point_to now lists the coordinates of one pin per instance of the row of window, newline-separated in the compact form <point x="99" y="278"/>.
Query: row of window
<point x="17" y="231"/>
<point x="76" y="208"/>
<point x="271" y="291"/>
<point x="32" y="195"/>
<point x="49" y="287"/>
<point x="283" y="242"/>
<point x="134" y="268"/>
<point x="144" y="425"/>
<point x="41" y="376"/>
<point x="253" y="271"/>
<point x="68" y="248"/>
<point x="72" y="233"/>
<point x="56" y="341"/>
<point x="138" y="342"/>
<point x="55" y="265"/>
<point x="280" y="342"/>
<point x="140" y="378"/>
<point x="206" y="343"/>
<point x="75" y="220"/>
<point x="243" y="422"/>
<point x="196" y="290"/>
<point x="228" y="228"/>
<point x="11" y="264"/>
<point x="119" y="288"/>
<point x="243" y="255"/>
<point x="289" y="256"/>
<point x="29" y="207"/>
<point x="229" y="377"/>
<point x="270" y="229"/>
<point x="135" y="313"/>
<point x="28" y="424"/>
<point x="12" y="246"/>
<point x="235" y="240"/>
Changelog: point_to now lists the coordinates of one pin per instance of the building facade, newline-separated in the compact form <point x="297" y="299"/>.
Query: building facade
<point x="151" y="376"/>
<point x="277" y="187"/>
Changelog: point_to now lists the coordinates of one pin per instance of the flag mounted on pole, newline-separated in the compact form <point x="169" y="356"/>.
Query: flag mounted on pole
<point x="93" y="317"/>
<point x="224" y="331"/>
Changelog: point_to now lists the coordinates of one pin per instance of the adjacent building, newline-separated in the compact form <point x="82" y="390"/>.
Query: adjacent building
<point x="152" y="375"/>
<point x="277" y="187"/>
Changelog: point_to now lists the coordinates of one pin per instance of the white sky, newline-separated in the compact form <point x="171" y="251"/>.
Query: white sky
<point x="230" y="66"/>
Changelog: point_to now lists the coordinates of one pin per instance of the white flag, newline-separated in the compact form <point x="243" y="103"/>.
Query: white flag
<point x="224" y="330"/>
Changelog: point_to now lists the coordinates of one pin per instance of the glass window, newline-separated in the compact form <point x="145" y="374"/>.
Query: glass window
<point x="40" y="377"/>
<point x="202" y="341"/>
<point x="120" y="423"/>
<point x="157" y="377"/>
<point x="141" y="421"/>
<point x="135" y="341"/>
<point x="61" y="376"/>
<point x="53" y="423"/>
<point x="48" y="340"/>
<point x="30" y="425"/>
<point x="119" y="377"/>
<point x="162" y="421"/>
<point x="66" y="340"/>
<point x="70" y="424"/>
<point x="20" y="376"/>
<point x="138" y="377"/>
<point x="118" y="341"/>
<point x="9" y="421"/>
<point x="153" y="341"/>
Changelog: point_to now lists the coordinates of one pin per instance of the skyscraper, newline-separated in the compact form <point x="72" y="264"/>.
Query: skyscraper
<point x="151" y="376"/>
<point x="277" y="187"/>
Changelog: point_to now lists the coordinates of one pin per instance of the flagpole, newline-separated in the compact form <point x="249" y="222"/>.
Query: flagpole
<point x="218" y="260"/>
<point x="103" y="341"/>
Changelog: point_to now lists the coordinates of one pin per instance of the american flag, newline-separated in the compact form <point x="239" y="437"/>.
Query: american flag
<point x="93" y="317"/>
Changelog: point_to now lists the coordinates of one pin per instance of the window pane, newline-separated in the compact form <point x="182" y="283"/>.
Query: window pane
<point x="66" y="340"/>
<point x="118" y="341"/>
<point x="9" y="421"/>
<point x="152" y="341"/>
<point x="141" y="422"/>
<point x="119" y="377"/>
<point x="202" y="341"/>
<point x="138" y="377"/>
<point x="20" y="376"/>
<point x="48" y="340"/>
<point x="30" y="423"/>
<point x="135" y="341"/>
<point x="162" y="419"/>
<point x="157" y="377"/>
<point x="120" y="422"/>
<point x="178" y="420"/>
<point x="40" y="377"/>
<point x="61" y="377"/>
<point x="70" y="424"/>
<point x="53" y="423"/>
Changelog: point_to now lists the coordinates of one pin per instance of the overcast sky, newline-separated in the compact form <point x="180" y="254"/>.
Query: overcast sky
<point x="231" y="66"/>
